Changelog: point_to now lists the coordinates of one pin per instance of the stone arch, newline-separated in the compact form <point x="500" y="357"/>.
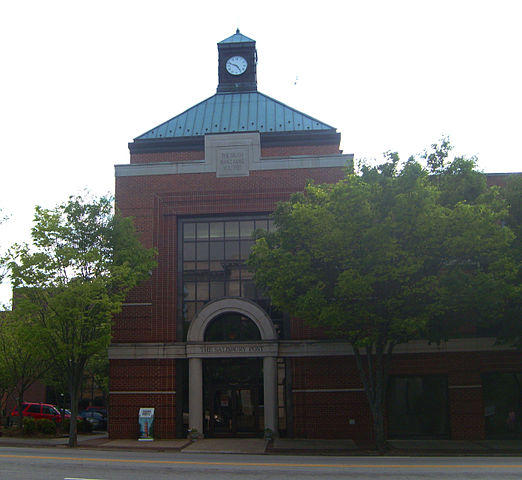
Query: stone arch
<point x="243" y="306"/>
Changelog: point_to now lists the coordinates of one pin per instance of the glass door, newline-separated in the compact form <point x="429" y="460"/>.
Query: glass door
<point x="247" y="411"/>
<point x="231" y="411"/>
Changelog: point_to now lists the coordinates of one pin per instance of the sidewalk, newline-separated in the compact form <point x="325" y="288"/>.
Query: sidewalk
<point x="281" y="446"/>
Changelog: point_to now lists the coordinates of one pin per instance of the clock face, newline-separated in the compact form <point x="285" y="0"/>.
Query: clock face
<point x="236" y="65"/>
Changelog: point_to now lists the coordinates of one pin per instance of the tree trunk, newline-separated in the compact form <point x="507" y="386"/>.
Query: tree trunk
<point x="374" y="377"/>
<point x="20" y="415"/>
<point x="74" y="390"/>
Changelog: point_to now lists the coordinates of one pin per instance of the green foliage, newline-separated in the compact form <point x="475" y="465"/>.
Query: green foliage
<point x="84" y="261"/>
<point x="98" y="369"/>
<point x="46" y="426"/>
<point x="390" y="255"/>
<point x="436" y="158"/>
<point x="21" y="361"/>
<point x="29" y="425"/>
<point x="378" y="256"/>
<point x="509" y="325"/>
<point x="2" y="260"/>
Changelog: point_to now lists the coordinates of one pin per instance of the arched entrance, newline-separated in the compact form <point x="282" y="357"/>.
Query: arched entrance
<point x="237" y="341"/>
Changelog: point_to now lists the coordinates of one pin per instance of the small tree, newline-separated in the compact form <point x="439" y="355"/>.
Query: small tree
<point x="377" y="257"/>
<point x="85" y="260"/>
<point x="21" y="362"/>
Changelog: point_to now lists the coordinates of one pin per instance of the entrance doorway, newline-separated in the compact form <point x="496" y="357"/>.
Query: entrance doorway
<point x="233" y="397"/>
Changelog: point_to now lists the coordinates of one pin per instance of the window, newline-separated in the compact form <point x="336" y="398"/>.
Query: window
<point x="502" y="393"/>
<point x="231" y="327"/>
<point x="418" y="407"/>
<point x="212" y="260"/>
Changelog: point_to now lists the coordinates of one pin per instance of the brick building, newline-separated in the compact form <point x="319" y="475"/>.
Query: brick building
<point x="203" y="347"/>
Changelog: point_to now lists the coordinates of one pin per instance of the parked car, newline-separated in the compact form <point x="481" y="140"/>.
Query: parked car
<point x="96" y="419"/>
<point x="101" y="410"/>
<point x="39" y="410"/>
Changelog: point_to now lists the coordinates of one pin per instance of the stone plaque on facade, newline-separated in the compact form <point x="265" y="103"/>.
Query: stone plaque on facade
<point x="232" y="154"/>
<point x="232" y="162"/>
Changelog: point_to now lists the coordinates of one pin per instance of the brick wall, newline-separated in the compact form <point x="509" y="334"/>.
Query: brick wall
<point x="279" y="151"/>
<point x="301" y="330"/>
<point x="287" y="151"/>
<point x="177" y="157"/>
<point x="342" y="413"/>
<point x="327" y="414"/>
<point x="156" y="201"/>
<point x="148" y="383"/>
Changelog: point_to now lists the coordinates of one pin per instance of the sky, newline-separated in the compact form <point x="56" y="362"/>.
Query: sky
<point x="79" y="80"/>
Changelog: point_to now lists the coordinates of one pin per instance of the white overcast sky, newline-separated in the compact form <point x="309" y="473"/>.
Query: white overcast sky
<point x="81" y="79"/>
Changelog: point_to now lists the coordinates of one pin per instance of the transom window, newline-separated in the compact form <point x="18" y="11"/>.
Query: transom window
<point x="232" y="327"/>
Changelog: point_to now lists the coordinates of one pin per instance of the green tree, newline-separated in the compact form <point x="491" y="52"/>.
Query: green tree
<point x="510" y="324"/>
<point x="97" y="373"/>
<point x="5" y="386"/>
<point x="2" y="260"/>
<point x="378" y="258"/>
<point x="21" y="363"/>
<point x="84" y="261"/>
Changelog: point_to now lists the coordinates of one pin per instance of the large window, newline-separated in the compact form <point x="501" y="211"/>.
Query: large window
<point x="418" y="407"/>
<point x="502" y="394"/>
<point x="212" y="261"/>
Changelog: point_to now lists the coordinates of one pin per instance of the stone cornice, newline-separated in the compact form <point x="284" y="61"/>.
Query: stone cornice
<point x="264" y="163"/>
<point x="287" y="348"/>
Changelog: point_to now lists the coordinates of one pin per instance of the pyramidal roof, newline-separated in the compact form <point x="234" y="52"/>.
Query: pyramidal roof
<point x="237" y="38"/>
<point x="233" y="113"/>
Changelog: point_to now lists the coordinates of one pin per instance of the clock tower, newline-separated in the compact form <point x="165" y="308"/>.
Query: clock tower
<point x="237" y="64"/>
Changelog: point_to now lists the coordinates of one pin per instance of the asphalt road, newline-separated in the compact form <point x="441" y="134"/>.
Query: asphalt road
<point x="62" y="463"/>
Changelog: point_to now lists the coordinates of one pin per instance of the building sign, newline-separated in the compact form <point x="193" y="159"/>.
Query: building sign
<point x="232" y="350"/>
<point x="232" y="162"/>
<point x="232" y="154"/>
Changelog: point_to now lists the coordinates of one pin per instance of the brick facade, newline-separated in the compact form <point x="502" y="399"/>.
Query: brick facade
<point x="142" y="383"/>
<point x="170" y="178"/>
<point x="150" y="313"/>
<point x="327" y="399"/>
<point x="328" y="392"/>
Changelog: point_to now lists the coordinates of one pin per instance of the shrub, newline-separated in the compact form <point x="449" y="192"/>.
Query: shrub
<point x="84" y="426"/>
<point x="66" y="425"/>
<point x="46" y="426"/>
<point x="29" y="425"/>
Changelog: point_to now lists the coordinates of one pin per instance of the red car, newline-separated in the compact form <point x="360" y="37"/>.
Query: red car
<point x="39" y="410"/>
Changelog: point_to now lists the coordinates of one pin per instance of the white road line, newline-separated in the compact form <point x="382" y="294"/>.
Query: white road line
<point x="74" y="478"/>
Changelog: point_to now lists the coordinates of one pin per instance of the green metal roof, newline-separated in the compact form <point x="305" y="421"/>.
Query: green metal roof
<point x="233" y="113"/>
<point x="237" y="38"/>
